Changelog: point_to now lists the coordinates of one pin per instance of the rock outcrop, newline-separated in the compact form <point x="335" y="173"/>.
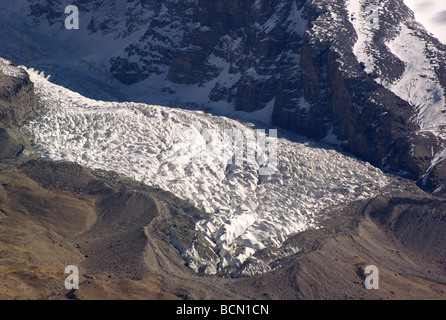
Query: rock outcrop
<point x="17" y="99"/>
<point x="435" y="179"/>
<point x="376" y="124"/>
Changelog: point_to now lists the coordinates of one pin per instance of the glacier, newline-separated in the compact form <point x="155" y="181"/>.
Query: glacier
<point x="248" y="211"/>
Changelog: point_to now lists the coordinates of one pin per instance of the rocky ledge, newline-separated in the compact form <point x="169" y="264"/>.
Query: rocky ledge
<point x="17" y="99"/>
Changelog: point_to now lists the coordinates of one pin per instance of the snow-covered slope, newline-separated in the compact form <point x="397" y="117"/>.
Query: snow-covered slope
<point x="418" y="84"/>
<point x="249" y="211"/>
<point x="432" y="14"/>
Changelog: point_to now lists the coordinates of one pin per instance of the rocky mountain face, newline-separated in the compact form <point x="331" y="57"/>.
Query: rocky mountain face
<point x="18" y="103"/>
<point x="323" y="70"/>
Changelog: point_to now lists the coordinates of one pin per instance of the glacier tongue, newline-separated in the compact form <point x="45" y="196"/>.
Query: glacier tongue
<point x="249" y="211"/>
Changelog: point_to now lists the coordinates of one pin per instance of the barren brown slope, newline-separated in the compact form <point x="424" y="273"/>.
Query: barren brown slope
<point x="117" y="231"/>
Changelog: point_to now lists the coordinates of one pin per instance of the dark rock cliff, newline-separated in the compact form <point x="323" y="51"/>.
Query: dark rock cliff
<point x="17" y="99"/>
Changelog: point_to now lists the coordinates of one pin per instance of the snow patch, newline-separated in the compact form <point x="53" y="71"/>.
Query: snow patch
<point x="419" y="85"/>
